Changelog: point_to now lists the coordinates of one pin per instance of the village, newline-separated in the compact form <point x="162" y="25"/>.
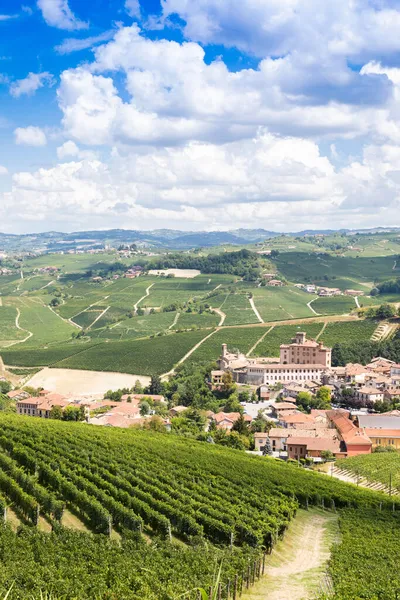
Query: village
<point x="348" y="426"/>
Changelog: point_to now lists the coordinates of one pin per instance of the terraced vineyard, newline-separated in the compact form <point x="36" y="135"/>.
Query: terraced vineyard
<point x="381" y="467"/>
<point x="198" y="502"/>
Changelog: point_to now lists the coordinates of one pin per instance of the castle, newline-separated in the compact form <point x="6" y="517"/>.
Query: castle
<point x="301" y="360"/>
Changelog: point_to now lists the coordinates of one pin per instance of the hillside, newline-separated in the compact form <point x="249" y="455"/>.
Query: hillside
<point x="160" y="497"/>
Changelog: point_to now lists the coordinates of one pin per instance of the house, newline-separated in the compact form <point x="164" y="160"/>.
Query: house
<point x="18" y="395"/>
<point x="226" y="420"/>
<point x="275" y="283"/>
<point x="216" y="378"/>
<point x="283" y="408"/>
<point x="264" y="393"/>
<point x="313" y="447"/>
<point x="355" y="440"/>
<point x="369" y="394"/>
<point x="44" y="409"/>
<point x="29" y="406"/>
<point x="277" y="436"/>
<point x="384" y="437"/>
<point x="296" y="420"/>
<point x="353" y="293"/>
<point x="175" y="411"/>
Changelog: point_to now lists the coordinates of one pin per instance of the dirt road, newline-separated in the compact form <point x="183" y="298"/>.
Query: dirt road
<point x="297" y="566"/>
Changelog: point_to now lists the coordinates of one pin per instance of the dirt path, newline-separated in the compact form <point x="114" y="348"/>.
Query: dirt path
<point x="99" y="317"/>
<point x="296" y="568"/>
<point x="311" y="308"/>
<point x="135" y="307"/>
<point x="165" y="375"/>
<point x="47" y="285"/>
<point x="69" y="321"/>
<point x="321" y="332"/>
<point x="259" y="341"/>
<point x="255" y="310"/>
<point x="219" y="312"/>
<point x="174" y="322"/>
<point x="303" y="321"/>
<point x="357" y="302"/>
<point x="17" y="325"/>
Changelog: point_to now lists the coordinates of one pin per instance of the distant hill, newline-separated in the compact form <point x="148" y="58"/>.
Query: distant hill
<point x="157" y="238"/>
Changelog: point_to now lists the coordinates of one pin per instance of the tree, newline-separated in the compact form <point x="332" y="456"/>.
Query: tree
<point x="267" y="448"/>
<point x="385" y="311"/>
<point x="241" y="426"/>
<point x="155" y="386"/>
<point x="228" y="385"/>
<point x="138" y="388"/>
<point x="5" y="387"/>
<point x="55" y="301"/>
<point x="324" y="398"/>
<point x="233" y="404"/>
<point x="56" y="412"/>
<point x="144" y="408"/>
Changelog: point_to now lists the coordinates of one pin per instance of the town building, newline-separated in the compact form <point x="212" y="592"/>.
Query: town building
<point x="300" y="361"/>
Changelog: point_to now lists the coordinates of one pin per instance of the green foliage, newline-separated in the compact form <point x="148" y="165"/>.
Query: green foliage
<point x="244" y="263"/>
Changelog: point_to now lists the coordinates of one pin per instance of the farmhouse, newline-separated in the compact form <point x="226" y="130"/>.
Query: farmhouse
<point x="302" y="360"/>
<point x="369" y="394"/>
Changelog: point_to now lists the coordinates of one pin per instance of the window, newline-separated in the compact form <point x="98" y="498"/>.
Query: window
<point x="290" y="448"/>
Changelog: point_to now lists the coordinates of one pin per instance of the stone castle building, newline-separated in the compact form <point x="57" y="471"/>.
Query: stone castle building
<point x="301" y="360"/>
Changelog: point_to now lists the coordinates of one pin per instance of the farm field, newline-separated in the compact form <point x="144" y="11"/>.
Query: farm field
<point x="348" y="332"/>
<point x="237" y="338"/>
<point x="279" y="304"/>
<point x="138" y="482"/>
<point x="37" y="318"/>
<point x="151" y="356"/>
<point x="238" y="310"/>
<point x="302" y="267"/>
<point x="378" y="466"/>
<point x="135" y="327"/>
<point x="282" y="334"/>
<point x="8" y="330"/>
<point x="336" y="305"/>
<point x="203" y="320"/>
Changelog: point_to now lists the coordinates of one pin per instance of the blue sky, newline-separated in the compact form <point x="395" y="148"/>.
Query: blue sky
<point x="212" y="114"/>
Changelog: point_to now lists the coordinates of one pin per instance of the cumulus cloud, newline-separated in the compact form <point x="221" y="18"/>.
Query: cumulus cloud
<point x="279" y="27"/>
<point x="57" y="13"/>
<point x="30" y="136"/>
<point x="175" y="96"/>
<point x="31" y="84"/>
<point x="132" y="7"/>
<point x="3" y="170"/>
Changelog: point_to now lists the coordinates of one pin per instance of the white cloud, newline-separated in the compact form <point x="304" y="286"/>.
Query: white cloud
<point x="57" y="13"/>
<point x="67" y="149"/>
<point x="8" y="17"/>
<point x="175" y="96"/>
<point x="30" y="136"/>
<point x="3" y="170"/>
<point x="279" y="27"/>
<point x="74" y="44"/>
<point x="31" y="84"/>
<point x="132" y="7"/>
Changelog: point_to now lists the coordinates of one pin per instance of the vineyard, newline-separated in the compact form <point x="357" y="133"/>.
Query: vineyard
<point x="379" y="466"/>
<point x="165" y="511"/>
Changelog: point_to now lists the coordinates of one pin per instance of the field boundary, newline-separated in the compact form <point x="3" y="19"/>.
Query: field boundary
<point x="249" y="353"/>
<point x="186" y="356"/>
